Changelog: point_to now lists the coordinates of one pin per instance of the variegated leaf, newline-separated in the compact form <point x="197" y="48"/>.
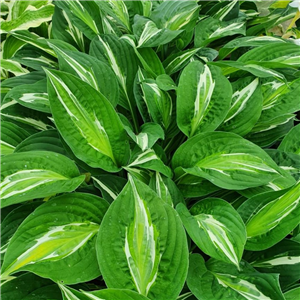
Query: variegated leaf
<point x="30" y="16"/>
<point x="218" y="280"/>
<point x="144" y="257"/>
<point x="33" y="96"/>
<point x="176" y="15"/>
<point x="178" y="61"/>
<point x="36" y="174"/>
<point x="11" y="66"/>
<point x="150" y="161"/>
<point x="66" y="241"/>
<point x="85" y="15"/>
<point x="94" y="72"/>
<point x="201" y="102"/>
<point x="158" y="102"/>
<point x="210" y="29"/>
<point x="283" y="258"/>
<point x="246" y="106"/>
<point x="225" y="159"/>
<point x="269" y="217"/>
<point x="104" y="294"/>
<point x="91" y="119"/>
<point x="216" y="228"/>
<point x="149" y="35"/>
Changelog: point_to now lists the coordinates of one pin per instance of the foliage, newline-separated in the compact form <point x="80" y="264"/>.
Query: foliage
<point x="150" y="150"/>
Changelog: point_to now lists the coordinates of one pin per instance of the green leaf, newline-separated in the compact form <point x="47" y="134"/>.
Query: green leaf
<point x="269" y="217"/>
<point x="225" y="159"/>
<point x="283" y="259"/>
<point x="29" y="286"/>
<point x="47" y="140"/>
<point x="201" y="102"/>
<point x="292" y="294"/>
<point x="90" y="70"/>
<point x="176" y="15"/>
<point x="33" y="96"/>
<point x="210" y="29"/>
<point x="146" y="256"/>
<point x="89" y="125"/>
<point x="291" y="142"/>
<point x="165" y="82"/>
<point x="218" y="280"/>
<point x="104" y="294"/>
<point x="9" y="65"/>
<point x="30" y="17"/>
<point x="246" y="106"/>
<point x="11" y="136"/>
<point x="36" y="174"/>
<point x="85" y="15"/>
<point x="64" y="242"/>
<point x="216" y="228"/>
<point x="149" y="35"/>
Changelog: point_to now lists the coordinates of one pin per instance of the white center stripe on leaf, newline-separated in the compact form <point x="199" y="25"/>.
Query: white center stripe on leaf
<point x="279" y="261"/>
<point x="31" y="97"/>
<point x="218" y="235"/>
<point x="140" y="245"/>
<point x="205" y="88"/>
<point x="67" y="293"/>
<point x="144" y="157"/>
<point x="222" y="30"/>
<point x="103" y="186"/>
<point x="243" y="287"/>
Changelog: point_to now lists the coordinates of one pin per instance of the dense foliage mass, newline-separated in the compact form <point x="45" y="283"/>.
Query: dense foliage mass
<point x="150" y="150"/>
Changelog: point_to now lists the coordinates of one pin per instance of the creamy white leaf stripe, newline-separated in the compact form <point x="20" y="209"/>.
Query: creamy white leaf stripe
<point x="141" y="247"/>
<point x="87" y="124"/>
<point x="205" y="88"/>
<point x="144" y="157"/>
<point x="106" y="188"/>
<point x="242" y="287"/>
<point x="217" y="233"/>
<point x="67" y="293"/>
<point x="240" y="99"/>
<point x="25" y="180"/>
<point x="33" y="97"/>
<point x="278" y="261"/>
<point x="57" y="243"/>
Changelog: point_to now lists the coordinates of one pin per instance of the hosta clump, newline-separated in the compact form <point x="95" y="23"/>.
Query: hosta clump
<point x="150" y="150"/>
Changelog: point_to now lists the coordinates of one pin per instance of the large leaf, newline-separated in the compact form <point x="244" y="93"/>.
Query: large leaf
<point x="146" y="255"/>
<point x="87" y="122"/>
<point x="60" y="235"/>
<point x="225" y="159"/>
<point x="89" y="69"/>
<point x="216" y="228"/>
<point x="201" y="101"/>
<point x="218" y="280"/>
<point x="36" y="174"/>
<point x="269" y="217"/>
<point x="28" y="17"/>
<point x="246" y="106"/>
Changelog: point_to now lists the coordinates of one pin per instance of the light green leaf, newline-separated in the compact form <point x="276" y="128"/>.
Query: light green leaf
<point x="246" y="106"/>
<point x="147" y="257"/>
<point x="225" y="159"/>
<point x="269" y="217"/>
<point x="89" y="125"/>
<point x="216" y="228"/>
<point x="9" y="65"/>
<point x="218" y="280"/>
<point x="64" y="242"/>
<point x="292" y="294"/>
<point x="201" y="101"/>
<point x="36" y="174"/>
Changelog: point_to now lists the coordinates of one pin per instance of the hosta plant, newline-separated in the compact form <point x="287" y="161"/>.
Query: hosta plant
<point x="150" y="150"/>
